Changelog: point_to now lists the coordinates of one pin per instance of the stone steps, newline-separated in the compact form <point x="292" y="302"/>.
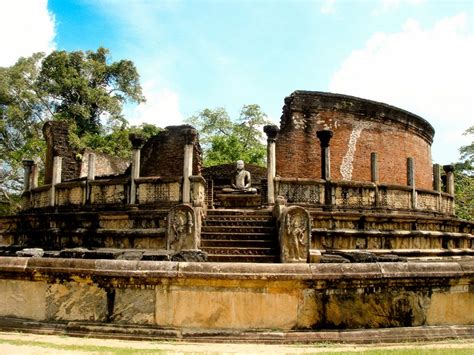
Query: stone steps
<point x="240" y="236"/>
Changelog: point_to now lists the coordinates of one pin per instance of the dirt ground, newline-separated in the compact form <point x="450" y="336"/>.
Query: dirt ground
<point x="23" y="343"/>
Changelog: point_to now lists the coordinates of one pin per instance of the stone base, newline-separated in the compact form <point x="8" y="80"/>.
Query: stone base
<point x="239" y="200"/>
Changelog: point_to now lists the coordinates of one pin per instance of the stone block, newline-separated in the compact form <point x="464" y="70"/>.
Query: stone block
<point x="23" y="299"/>
<point x="134" y="306"/>
<point x="238" y="308"/>
<point x="76" y="301"/>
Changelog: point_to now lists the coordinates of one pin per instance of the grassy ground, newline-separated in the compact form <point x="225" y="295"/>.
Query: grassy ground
<point x="21" y="343"/>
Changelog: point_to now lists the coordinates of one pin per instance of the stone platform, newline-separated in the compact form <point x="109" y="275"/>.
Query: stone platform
<point x="210" y="297"/>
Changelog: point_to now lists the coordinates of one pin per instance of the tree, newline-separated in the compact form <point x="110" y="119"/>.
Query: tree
<point x="464" y="180"/>
<point x="225" y="141"/>
<point x="86" y="89"/>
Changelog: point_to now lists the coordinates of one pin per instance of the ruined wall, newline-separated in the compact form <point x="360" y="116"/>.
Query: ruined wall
<point x="105" y="164"/>
<point x="163" y="154"/>
<point x="75" y="162"/>
<point x="56" y="134"/>
<point x="360" y="127"/>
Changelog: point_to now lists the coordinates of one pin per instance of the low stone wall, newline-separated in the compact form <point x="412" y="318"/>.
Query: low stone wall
<point x="238" y="296"/>
<point x="362" y="195"/>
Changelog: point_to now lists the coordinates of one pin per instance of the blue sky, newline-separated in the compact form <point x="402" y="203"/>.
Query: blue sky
<point x="191" y="55"/>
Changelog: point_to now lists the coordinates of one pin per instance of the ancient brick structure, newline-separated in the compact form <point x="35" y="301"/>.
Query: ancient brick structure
<point x="56" y="134"/>
<point x="360" y="127"/>
<point x="163" y="154"/>
<point x="74" y="161"/>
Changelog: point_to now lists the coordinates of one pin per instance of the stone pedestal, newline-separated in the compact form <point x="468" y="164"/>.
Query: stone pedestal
<point x="239" y="200"/>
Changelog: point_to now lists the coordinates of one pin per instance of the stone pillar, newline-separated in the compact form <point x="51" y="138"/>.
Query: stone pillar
<point x="449" y="170"/>
<point x="34" y="176"/>
<point x="191" y="135"/>
<point x="56" y="178"/>
<point x="324" y="138"/>
<point x="91" y="167"/>
<point x="411" y="180"/>
<point x="271" y="132"/>
<point x="436" y="178"/>
<point x="137" y="143"/>
<point x="28" y="167"/>
<point x="374" y="168"/>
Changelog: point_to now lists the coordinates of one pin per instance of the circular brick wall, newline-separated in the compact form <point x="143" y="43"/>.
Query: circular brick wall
<point x="360" y="127"/>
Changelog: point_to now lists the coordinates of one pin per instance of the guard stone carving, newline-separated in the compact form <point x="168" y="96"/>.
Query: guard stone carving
<point x="181" y="232"/>
<point x="295" y="231"/>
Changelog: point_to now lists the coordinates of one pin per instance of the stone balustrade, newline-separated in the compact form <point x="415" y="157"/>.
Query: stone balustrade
<point x="115" y="191"/>
<point x="362" y="195"/>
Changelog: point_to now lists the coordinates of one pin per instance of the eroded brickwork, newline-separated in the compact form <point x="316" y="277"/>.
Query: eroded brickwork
<point x="360" y="127"/>
<point x="163" y="154"/>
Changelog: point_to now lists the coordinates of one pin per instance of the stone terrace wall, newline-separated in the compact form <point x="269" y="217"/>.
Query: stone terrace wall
<point x="360" y="127"/>
<point x="212" y="296"/>
<point x="163" y="154"/>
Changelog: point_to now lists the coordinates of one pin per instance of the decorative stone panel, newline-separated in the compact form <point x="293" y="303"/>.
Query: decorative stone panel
<point x="181" y="232"/>
<point x="294" y="234"/>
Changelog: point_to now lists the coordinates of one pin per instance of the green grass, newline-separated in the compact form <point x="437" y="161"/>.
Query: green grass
<point x="413" y="349"/>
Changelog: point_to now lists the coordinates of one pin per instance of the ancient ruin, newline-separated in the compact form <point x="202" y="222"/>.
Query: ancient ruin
<point x="350" y="225"/>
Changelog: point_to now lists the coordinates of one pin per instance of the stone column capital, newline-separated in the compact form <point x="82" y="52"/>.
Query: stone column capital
<point x="271" y="131"/>
<point x="448" y="168"/>
<point x="324" y="136"/>
<point x="137" y="140"/>
<point x="190" y="135"/>
<point x="28" y="162"/>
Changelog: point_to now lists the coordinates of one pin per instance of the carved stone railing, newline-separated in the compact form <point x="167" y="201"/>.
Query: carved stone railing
<point x="153" y="190"/>
<point x="71" y="193"/>
<point x="300" y="191"/>
<point x="362" y="195"/>
<point x="116" y="191"/>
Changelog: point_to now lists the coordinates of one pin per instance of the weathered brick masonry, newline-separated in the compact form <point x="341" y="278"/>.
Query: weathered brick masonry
<point x="360" y="127"/>
<point x="163" y="154"/>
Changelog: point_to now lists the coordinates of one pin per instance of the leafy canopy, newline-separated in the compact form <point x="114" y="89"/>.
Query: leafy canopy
<point x="464" y="180"/>
<point x="225" y="140"/>
<point x="86" y="89"/>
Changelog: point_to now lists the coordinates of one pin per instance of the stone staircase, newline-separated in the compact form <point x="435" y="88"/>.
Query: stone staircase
<point x="240" y="236"/>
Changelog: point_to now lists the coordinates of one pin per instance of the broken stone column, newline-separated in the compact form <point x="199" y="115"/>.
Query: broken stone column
<point x="56" y="178"/>
<point x="28" y="167"/>
<point x="324" y="138"/>
<point x="449" y="170"/>
<point x="436" y="178"/>
<point x="137" y="143"/>
<point x="190" y="135"/>
<point x="411" y="180"/>
<point x="271" y="131"/>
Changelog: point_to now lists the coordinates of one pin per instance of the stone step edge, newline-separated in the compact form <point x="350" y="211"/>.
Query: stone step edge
<point x="264" y="336"/>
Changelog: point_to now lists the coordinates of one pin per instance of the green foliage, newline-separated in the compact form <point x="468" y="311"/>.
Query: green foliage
<point x="467" y="151"/>
<point x="225" y="140"/>
<point x="84" y="88"/>
<point x="464" y="180"/>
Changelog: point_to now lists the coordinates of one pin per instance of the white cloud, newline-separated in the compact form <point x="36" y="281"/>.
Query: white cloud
<point x="27" y="27"/>
<point x="385" y="6"/>
<point x="328" y="7"/>
<point x="426" y="71"/>
<point x="161" y="108"/>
